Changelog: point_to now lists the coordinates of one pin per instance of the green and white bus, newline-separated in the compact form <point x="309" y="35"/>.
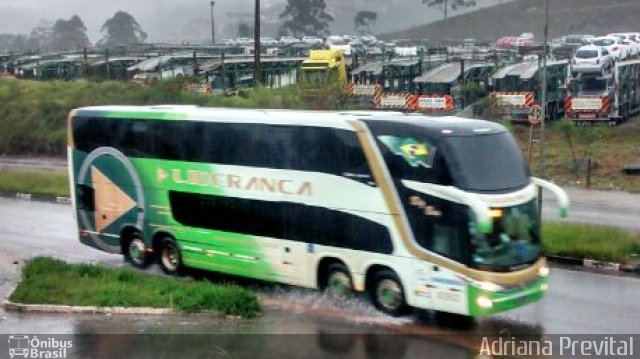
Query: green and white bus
<point x="432" y="213"/>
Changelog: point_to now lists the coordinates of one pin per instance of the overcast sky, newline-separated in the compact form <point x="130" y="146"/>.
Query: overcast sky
<point x="175" y="20"/>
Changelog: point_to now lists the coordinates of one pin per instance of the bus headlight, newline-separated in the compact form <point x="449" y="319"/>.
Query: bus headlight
<point x="544" y="271"/>
<point x="490" y="287"/>
<point x="484" y="302"/>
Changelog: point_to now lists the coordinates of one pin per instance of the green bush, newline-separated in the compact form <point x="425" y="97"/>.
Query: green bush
<point x="46" y="184"/>
<point x="33" y="114"/>
<point x="47" y="281"/>
<point x="590" y="242"/>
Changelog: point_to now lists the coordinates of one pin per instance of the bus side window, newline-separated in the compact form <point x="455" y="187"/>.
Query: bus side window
<point x="135" y="138"/>
<point x="353" y="161"/>
<point x="330" y="151"/>
<point x="176" y="142"/>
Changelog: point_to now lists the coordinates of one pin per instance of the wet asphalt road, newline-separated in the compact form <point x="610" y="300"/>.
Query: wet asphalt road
<point x="619" y="209"/>
<point x="578" y="302"/>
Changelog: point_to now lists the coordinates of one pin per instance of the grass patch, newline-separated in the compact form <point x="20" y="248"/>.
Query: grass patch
<point x="47" y="281"/>
<point x="610" y="148"/>
<point x="591" y="242"/>
<point x="47" y="184"/>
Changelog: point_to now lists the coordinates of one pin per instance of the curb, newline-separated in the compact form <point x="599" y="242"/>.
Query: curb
<point x="35" y="197"/>
<point x="67" y="309"/>
<point x="594" y="264"/>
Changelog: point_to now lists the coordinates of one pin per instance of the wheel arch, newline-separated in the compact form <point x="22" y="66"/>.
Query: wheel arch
<point x="377" y="267"/>
<point x="157" y="236"/>
<point x="126" y="233"/>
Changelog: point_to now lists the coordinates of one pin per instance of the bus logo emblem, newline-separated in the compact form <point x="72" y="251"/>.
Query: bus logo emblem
<point x="111" y="202"/>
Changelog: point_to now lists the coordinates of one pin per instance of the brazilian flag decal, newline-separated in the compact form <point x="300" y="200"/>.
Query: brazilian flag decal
<point x="417" y="154"/>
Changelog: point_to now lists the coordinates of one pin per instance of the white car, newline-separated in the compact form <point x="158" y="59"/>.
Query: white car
<point x="631" y="39"/>
<point x="615" y="45"/>
<point x="353" y="40"/>
<point x="339" y="43"/>
<point x="312" y="40"/>
<point x="228" y="42"/>
<point x="369" y="39"/>
<point x="288" y="40"/>
<point x="244" y="41"/>
<point x="267" y="41"/>
<point x="591" y="58"/>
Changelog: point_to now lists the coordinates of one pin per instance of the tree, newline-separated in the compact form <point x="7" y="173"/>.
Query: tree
<point x="446" y="5"/>
<point x="306" y="18"/>
<point x="245" y="30"/>
<point x="364" y="20"/>
<point x="123" y="29"/>
<point x="40" y="39"/>
<point x="69" y="34"/>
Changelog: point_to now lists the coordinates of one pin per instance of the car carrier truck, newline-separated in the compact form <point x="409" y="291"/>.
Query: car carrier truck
<point x="605" y="99"/>
<point x="440" y="88"/>
<point x="518" y="89"/>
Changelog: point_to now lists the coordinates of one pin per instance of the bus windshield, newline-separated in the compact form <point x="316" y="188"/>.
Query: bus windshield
<point x="514" y="242"/>
<point x="486" y="163"/>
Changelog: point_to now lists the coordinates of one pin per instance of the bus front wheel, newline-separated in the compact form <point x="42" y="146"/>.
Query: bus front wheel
<point x="135" y="252"/>
<point x="387" y="294"/>
<point x="170" y="257"/>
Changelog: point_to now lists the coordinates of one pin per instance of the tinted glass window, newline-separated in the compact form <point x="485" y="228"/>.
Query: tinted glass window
<point x="283" y="220"/>
<point x="302" y="148"/>
<point x="410" y="154"/>
<point x="587" y="54"/>
<point x="438" y="225"/>
<point x="486" y="163"/>
<point x="607" y="42"/>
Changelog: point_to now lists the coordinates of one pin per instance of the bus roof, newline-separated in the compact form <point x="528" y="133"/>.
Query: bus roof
<point x="332" y="119"/>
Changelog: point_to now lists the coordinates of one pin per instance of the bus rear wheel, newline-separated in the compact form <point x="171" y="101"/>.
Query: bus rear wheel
<point x="170" y="257"/>
<point x="135" y="252"/>
<point x="338" y="283"/>
<point x="387" y="294"/>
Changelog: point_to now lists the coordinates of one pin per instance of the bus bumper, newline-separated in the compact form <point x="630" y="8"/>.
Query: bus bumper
<point x="483" y="303"/>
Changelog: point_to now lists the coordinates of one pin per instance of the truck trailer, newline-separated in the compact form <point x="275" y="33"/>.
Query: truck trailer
<point x="518" y="89"/>
<point x="610" y="99"/>
<point x="440" y="89"/>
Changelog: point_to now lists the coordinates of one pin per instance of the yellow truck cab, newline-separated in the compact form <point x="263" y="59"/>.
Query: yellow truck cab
<point x="324" y="67"/>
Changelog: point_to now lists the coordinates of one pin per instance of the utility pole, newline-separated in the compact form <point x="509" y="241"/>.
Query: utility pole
<point x="444" y="23"/>
<point x="541" y="160"/>
<point x="213" y="25"/>
<point x="256" y="45"/>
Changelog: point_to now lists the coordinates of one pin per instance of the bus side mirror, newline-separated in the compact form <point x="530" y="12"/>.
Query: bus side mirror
<point x="561" y="195"/>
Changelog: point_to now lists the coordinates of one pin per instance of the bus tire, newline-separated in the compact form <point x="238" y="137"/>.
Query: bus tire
<point x="338" y="282"/>
<point x="169" y="257"/>
<point x="387" y="294"/>
<point x="135" y="251"/>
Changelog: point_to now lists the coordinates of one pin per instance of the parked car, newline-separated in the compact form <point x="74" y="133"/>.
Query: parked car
<point x="268" y="41"/>
<point x="244" y="41"/>
<point x="335" y="42"/>
<point x="312" y="40"/>
<point x="369" y="39"/>
<point x="507" y="42"/>
<point x="578" y="39"/>
<point x="288" y="40"/>
<point x="591" y="58"/>
<point x="615" y="46"/>
<point x="630" y="39"/>
<point x="228" y="42"/>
